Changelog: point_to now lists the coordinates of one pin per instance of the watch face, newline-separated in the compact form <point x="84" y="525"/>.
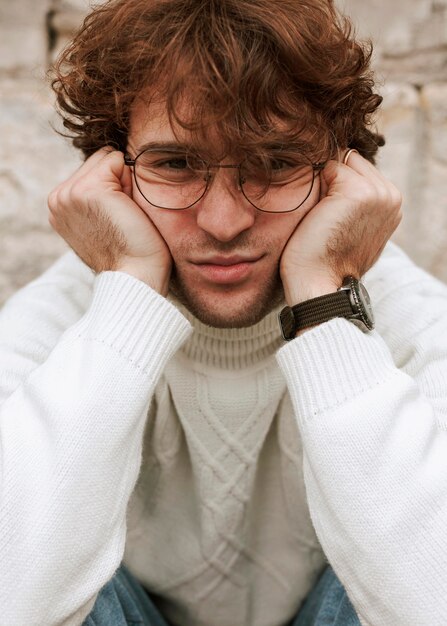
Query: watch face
<point x="363" y="302"/>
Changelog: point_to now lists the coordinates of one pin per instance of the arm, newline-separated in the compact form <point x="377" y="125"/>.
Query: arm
<point x="79" y="365"/>
<point x="79" y="359"/>
<point x="372" y="410"/>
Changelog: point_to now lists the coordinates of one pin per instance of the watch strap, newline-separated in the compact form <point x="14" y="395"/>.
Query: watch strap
<point x="322" y="309"/>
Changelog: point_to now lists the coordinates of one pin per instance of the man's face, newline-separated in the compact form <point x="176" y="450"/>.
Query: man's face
<point x="226" y="252"/>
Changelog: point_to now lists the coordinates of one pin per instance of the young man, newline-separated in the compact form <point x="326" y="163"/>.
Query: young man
<point x="144" y="417"/>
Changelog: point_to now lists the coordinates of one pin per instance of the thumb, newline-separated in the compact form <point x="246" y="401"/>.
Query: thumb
<point x="327" y="177"/>
<point x="126" y="180"/>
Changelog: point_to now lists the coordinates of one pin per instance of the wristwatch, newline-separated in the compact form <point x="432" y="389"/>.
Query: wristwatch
<point x="351" y="301"/>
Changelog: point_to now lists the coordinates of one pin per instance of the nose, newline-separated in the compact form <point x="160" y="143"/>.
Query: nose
<point x="224" y="212"/>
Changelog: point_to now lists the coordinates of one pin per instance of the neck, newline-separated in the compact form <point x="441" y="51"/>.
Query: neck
<point x="232" y="348"/>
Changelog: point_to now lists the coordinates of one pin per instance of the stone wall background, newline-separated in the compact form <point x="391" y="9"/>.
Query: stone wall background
<point x="411" y="62"/>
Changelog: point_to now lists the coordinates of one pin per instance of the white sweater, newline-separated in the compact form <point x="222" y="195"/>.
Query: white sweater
<point x="129" y="428"/>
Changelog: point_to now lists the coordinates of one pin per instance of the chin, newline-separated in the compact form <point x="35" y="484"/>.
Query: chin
<point x="229" y="309"/>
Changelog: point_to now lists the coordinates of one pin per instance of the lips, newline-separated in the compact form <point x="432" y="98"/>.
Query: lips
<point x="226" y="270"/>
<point x="226" y="261"/>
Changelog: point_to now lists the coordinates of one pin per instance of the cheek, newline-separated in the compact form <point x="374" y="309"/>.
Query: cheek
<point x="297" y="216"/>
<point x="286" y="223"/>
<point x="172" y="225"/>
<point x="277" y="229"/>
<point x="287" y="231"/>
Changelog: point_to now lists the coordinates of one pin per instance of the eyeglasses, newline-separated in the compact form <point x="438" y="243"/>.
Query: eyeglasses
<point x="169" y="179"/>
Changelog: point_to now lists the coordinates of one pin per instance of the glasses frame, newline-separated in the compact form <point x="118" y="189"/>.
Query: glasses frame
<point x="130" y="162"/>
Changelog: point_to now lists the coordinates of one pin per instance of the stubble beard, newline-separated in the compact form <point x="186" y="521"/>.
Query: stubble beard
<point x="212" y="311"/>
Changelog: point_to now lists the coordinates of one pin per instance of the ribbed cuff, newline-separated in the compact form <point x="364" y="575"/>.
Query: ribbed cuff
<point x="331" y="363"/>
<point x="134" y="320"/>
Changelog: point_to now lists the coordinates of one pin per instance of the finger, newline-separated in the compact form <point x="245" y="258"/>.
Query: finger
<point x="356" y="184"/>
<point x="362" y="166"/>
<point x="104" y="172"/>
<point x="126" y="181"/>
<point x="345" y="159"/>
<point x="78" y="174"/>
<point x="112" y="169"/>
<point x="90" y="163"/>
<point x="365" y="168"/>
<point x="324" y="186"/>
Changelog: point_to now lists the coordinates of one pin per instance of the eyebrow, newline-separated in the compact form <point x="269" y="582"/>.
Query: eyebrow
<point x="287" y="147"/>
<point x="168" y="146"/>
<point x="174" y="146"/>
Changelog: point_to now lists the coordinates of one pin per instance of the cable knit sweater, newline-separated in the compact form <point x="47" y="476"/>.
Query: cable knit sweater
<point x="222" y="465"/>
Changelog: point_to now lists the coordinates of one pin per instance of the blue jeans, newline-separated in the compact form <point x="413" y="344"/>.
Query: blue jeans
<point x="124" y="602"/>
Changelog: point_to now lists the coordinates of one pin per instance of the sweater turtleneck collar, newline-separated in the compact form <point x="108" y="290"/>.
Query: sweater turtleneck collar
<point x="231" y="348"/>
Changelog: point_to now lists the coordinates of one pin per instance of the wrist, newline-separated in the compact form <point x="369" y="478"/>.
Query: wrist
<point x="309" y="292"/>
<point x="298" y="291"/>
<point x="302" y="285"/>
<point x="350" y="301"/>
<point x="159" y="282"/>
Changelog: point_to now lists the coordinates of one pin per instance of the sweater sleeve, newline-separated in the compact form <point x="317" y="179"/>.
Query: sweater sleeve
<point x="372" y="412"/>
<point x="79" y="359"/>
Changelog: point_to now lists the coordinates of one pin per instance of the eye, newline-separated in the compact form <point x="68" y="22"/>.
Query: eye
<point x="154" y="166"/>
<point x="279" y="165"/>
<point x="177" y="163"/>
<point x="284" y="172"/>
<point x="166" y="163"/>
<point x="274" y="170"/>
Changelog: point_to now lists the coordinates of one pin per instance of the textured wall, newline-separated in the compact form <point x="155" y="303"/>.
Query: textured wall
<point x="410" y="39"/>
<point x="411" y="61"/>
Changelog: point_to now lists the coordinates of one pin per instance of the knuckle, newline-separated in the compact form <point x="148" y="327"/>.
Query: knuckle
<point x="396" y="198"/>
<point x="369" y="193"/>
<point x="82" y="189"/>
<point x="110" y="156"/>
<point x="52" y="200"/>
<point x="383" y="194"/>
<point x="98" y="155"/>
<point x="58" y="199"/>
<point x="54" y="197"/>
<point x="79" y="189"/>
<point x="53" y="222"/>
<point x="63" y="199"/>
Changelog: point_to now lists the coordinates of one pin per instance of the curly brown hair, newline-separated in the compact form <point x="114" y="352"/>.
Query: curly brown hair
<point x="252" y="69"/>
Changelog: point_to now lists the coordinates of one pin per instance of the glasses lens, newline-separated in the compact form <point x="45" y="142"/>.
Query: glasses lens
<point x="170" y="180"/>
<point x="280" y="186"/>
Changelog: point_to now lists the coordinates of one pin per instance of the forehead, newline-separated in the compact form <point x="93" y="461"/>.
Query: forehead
<point x="150" y="123"/>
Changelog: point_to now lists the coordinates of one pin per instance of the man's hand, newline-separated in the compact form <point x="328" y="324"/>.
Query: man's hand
<point x="344" y="233"/>
<point x="95" y="214"/>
